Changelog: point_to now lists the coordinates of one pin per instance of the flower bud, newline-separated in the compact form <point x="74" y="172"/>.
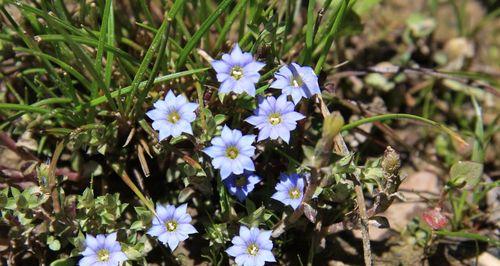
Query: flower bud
<point x="391" y="161"/>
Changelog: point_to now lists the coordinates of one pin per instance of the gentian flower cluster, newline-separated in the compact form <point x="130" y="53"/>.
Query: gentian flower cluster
<point x="173" y="116"/>
<point x="102" y="250"/>
<point x="252" y="247"/>
<point x="172" y="225"/>
<point x="232" y="151"/>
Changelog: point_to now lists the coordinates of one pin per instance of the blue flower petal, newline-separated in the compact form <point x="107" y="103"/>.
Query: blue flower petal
<point x="236" y="250"/>
<point x="179" y="211"/>
<point x="221" y="66"/>
<point x="91" y="242"/>
<point x="88" y="260"/>
<point x="244" y="233"/>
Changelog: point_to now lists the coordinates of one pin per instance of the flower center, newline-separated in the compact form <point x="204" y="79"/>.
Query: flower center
<point x="173" y="117"/>
<point x="294" y="193"/>
<point x="237" y="72"/>
<point x="232" y="152"/>
<point x="274" y="118"/>
<point x="241" y="181"/>
<point x="297" y="82"/>
<point x="253" y="249"/>
<point x="103" y="255"/>
<point x="171" y="225"/>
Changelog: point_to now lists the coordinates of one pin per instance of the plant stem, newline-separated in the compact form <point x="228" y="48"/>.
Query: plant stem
<point x="384" y="117"/>
<point x="363" y="222"/>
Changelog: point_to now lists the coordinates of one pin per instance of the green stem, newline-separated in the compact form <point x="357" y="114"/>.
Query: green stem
<point x="379" y="118"/>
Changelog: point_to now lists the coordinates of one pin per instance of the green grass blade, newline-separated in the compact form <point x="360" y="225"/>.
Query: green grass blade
<point x="384" y="117"/>
<point x="205" y="26"/>
<point x="160" y="57"/>
<point x="45" y="15"/>
<point x="144" y="64"/>
<point x="331" y="35"/>
<point x="128" y="89"/>
<point x="147" y="13"/>
<point x="36" y="106"/>
<point x="309" y="32"/>
<point x="468" y="236"/>
<point x="23" y="107"/>
<point x="90" y="42"/>
<point x="229" y="22"/>
<point x="59" y="62"/>
<point x="103" y="37"/>
<point x="478" y="147"/>
<point x="152" y="49"/>
<point x="110" y="56"/>
<point x="154" y="72"/>
<point x="33" y="46"/>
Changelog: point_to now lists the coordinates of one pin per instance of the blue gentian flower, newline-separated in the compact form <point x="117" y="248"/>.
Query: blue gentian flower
<point x="102" y="250"/>
<point x="238" y="72"/>
<point x="231" y="152"/>
<point x="290" y="190"/>
<point x="173" y="116"/>
<point x="275" y="118"/>
<point x="252" y="247"/>
<point x="297" y="81"/>
<point x="172" y="225"/>
<point x="241" y="185"/>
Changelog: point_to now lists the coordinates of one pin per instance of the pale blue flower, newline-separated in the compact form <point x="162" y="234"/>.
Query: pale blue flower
<point x="238" y="72"/>
<point x="172" y="225"/>
<point x="290" y="190"/>
<point x="102" y="250"/>
<point x="173" y="116"/>
<point x="297" y="81"/>
<point x="252" y="247"/>
<point x="241" y="185"/>
<point x="275" y="118"/>
<point x="232" y="152"/>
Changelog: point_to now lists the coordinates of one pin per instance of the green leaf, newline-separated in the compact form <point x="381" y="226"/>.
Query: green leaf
<point x="466" y="171"/>
<point x="53" y="243"/>
<point x="309" y="32"/>
<point x="332" y="34"/>
<point x="63" y="262"/>
<point x="128" y="89"/>
<point x="468" y="236"/>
